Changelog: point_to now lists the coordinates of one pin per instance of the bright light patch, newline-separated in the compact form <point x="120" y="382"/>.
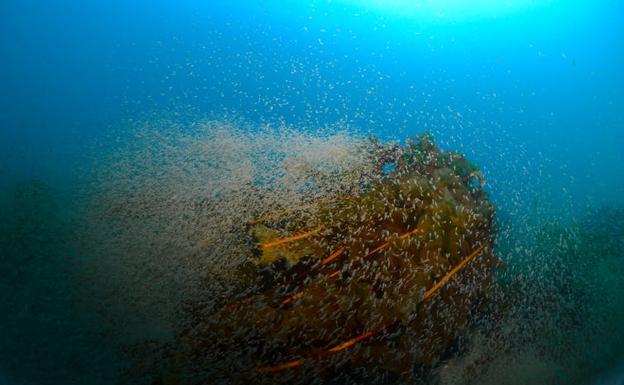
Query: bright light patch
<point x="448" y="10"/>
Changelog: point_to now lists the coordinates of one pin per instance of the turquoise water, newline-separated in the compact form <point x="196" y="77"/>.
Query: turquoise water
<point x="117" y="117"/>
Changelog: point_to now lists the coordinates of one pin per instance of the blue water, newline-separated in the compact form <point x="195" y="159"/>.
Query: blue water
<point x="531" y="91"/>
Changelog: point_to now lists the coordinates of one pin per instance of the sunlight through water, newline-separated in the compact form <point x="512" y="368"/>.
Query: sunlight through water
<point x="450" y="10"/>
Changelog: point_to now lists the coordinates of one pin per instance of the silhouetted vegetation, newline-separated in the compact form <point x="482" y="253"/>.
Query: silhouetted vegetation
<point x="371" y="285"/>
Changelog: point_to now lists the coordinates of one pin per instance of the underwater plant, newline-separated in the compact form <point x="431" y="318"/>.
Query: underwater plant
<point x="375" y="285"/>
<point x="274" y="227"/>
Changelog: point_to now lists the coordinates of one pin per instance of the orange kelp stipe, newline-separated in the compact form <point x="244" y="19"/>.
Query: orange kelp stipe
<point x="341" y="346"/>
<point x="352" y="341"/>
<point x="409" y="233"/>
<point x="297" y="237"/>
<point x="324" y="262"/>
<point x="450" y="274"/>
<point x="277" y="368"/>
<point x="386" y="244"/>
<point x="338" y="253"/>
<point x="293" y="297"/>
<point x="333" y="256"/>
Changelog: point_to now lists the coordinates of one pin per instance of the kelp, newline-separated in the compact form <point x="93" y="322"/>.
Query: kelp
<point x="374" y="284"/>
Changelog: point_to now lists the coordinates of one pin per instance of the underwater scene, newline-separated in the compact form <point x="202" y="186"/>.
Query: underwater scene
<point x="317" y="192"/>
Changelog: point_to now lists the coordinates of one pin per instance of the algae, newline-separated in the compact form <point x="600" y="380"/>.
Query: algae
<point x="382" y="280"/>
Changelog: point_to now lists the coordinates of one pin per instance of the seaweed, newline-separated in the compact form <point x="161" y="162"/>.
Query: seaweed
<point x="378" y="282"/>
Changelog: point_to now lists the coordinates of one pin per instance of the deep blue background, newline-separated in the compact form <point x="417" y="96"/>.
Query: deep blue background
<point x="537" y="93"/>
